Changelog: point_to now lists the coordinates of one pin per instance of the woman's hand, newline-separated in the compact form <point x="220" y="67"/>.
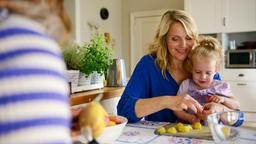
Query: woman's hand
<point x="185" y="102"/>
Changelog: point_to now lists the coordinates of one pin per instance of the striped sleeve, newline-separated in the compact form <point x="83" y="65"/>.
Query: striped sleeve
<point x="34" y="105"/>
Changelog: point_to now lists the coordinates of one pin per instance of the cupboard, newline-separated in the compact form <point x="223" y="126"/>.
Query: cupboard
<point x="243" y="84"/>
<point x="216" y="16"/>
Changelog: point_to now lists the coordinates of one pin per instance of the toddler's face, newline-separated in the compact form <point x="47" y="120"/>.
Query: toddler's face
<point x="203" y="71"/>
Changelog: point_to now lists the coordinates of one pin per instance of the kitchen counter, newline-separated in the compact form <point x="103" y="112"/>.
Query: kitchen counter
<point x="88" y="96"/>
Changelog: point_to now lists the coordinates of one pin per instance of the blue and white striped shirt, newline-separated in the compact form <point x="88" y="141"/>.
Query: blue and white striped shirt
<point x="34" y="104"/>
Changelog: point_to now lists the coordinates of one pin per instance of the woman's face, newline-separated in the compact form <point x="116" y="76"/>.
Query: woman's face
<point x="203" y="71"/>
<point x="178" y="42"/>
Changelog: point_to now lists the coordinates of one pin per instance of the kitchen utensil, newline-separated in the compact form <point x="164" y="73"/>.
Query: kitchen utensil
<point x="117" y="73"/>
<point x="98" y="97"/>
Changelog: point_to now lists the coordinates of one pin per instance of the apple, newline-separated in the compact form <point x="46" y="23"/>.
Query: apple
<point x="115" y="119"/>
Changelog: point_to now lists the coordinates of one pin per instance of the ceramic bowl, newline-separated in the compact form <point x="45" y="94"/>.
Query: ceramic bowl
<point x="110" y="133"/>
<point x="233" y="127"/>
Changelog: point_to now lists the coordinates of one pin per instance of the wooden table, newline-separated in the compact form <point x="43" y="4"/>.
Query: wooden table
<point x="88" y="96"/>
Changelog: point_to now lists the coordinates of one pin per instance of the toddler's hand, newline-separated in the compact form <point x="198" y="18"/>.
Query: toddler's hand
<point x="217" y="99"/>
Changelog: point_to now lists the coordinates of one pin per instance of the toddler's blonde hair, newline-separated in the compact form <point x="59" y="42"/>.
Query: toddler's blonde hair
<point x="207" y="46"/>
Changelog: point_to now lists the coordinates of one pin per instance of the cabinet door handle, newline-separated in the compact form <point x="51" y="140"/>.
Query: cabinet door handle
<point x="241" y="84"/>
<point x="224" y="21"/>
<point x="240" y="75"/>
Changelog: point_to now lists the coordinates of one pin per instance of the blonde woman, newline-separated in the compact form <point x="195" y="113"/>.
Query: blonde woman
<point x="152" y="88"/>
<point x="203" y="62"/>
<point x="34" y="104"/>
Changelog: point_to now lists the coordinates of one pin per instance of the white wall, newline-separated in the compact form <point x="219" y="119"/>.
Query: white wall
<point x="89" y="11"/>
<point x="129" y="6"/>
<point x="70" y="9"/>
<point x="84" y="11"/>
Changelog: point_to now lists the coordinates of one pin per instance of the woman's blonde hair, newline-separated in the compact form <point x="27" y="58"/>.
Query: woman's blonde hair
<point x="50" y="13"/>
<point x="206" y="47"/>
<point x="159" y="46"/>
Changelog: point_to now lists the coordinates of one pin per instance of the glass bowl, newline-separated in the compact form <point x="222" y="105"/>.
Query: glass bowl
<point x="233" y="127"/>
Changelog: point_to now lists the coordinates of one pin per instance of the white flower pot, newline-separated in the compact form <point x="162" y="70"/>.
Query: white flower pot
<point x="83" y="80"/>
<point x="72" y="76"/>
<point x="97" y="78"/>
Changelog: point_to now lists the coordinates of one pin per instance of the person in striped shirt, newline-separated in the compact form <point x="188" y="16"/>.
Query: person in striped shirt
<point x="34" y="104"/>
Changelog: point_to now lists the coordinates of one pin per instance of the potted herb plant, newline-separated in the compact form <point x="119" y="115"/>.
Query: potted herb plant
<point x="72" y="59"/>
<point x="96" y="58"/>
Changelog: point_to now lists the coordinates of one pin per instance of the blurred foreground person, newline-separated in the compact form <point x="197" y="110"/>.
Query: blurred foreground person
<point x="34" y="104"/>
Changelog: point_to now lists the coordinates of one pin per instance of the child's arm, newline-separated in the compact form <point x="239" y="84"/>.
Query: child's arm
<point x="184" y="116"/>
<point x="231" y="102"/>
<point x="225" y="96"/>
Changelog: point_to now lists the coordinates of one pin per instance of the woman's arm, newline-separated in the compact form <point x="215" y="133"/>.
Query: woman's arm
<point x="144" y="107"/>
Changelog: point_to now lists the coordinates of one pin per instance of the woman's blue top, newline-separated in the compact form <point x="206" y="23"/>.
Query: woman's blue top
<point x="147" y="81"/>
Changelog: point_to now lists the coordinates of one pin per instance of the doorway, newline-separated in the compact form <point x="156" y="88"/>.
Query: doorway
<point x="143" y="28"/>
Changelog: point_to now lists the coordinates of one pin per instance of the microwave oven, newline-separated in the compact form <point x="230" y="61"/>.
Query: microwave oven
<point x="245" y="58"/>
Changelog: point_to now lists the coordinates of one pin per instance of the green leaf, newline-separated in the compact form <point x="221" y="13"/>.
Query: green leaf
<point x="96" y="55"/>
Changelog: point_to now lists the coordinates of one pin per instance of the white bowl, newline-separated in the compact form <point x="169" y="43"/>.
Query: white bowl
<point x="110" y="133"/>
<point x="235" y="127"/>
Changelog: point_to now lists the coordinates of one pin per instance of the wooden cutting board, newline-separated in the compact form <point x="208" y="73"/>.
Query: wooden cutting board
<point x="203" y="133"/>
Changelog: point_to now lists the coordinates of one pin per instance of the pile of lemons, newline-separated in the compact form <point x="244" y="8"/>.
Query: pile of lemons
<point x="179" y="127"/>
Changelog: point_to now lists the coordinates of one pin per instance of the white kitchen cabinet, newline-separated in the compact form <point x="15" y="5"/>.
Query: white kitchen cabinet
<point x="206" y="13"/>
<point x="215" y="16"/>
<point x="243" y="86"/>
<point x="245" y="93"/>
<point x="240" y="15"/>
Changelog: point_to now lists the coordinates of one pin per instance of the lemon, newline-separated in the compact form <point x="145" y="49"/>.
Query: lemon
<point x="186" y="129"/>
<point x="183" y="128"/>
<point x="190" y="127"/>
<point x="178" y="125"/>
<point x="171" y="130"/>
<point x="161" y="130"/>
<point x="197" y="125"/>
<point x="226" y="131"/>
